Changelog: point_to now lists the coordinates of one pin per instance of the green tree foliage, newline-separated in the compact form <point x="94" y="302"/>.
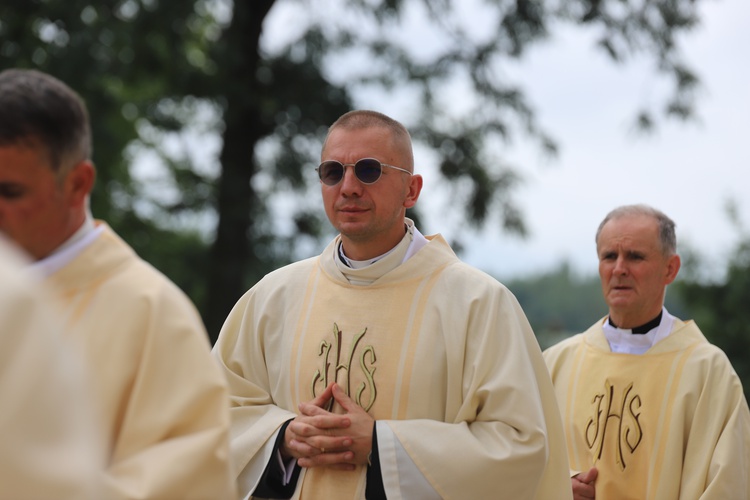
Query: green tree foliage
<point x="129" y="68"/>
<point x="721" y="309"/>
<point x="164" y="76"/>
<point x="561" y="303"/>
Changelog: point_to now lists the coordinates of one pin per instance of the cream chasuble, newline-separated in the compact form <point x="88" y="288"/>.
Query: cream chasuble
<point x="161" y="398"/>
<point x="435" y="349"/>
<point x="668" y="424"/>
<point x="47" y="447"/>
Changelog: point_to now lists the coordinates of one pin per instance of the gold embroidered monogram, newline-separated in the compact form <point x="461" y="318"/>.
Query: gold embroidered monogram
<point x="366" y="358"/>
<point x="625" y="423"/>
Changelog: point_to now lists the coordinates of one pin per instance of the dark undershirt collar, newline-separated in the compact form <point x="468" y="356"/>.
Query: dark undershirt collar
<point x="645" y="328"/>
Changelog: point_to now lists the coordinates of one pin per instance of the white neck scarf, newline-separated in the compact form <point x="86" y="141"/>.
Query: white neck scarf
<point x="365" y="272"/>
<point x="70" y="249"/>
<point x="623" y="340"/>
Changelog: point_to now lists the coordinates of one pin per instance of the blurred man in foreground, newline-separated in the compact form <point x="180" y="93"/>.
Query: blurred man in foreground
<point x="651" y="410"/>
<point x="48" y="449"/>
<point x="160" y="397"/>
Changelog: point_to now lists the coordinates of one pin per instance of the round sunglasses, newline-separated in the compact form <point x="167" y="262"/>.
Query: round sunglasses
<point x="367" y="170"/>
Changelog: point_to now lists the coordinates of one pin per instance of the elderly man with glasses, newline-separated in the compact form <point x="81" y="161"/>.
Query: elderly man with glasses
<point x="385" y="367"/>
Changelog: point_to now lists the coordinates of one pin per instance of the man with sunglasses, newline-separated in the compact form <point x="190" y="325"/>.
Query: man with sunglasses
<point x="385" y="367"/>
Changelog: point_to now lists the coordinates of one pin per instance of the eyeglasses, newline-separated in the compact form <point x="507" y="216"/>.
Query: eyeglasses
<point x="367" y="170"/>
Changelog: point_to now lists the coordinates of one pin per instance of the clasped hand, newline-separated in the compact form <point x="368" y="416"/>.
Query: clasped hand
<point x="318" y="437"/>
<point x="583" y="484"/>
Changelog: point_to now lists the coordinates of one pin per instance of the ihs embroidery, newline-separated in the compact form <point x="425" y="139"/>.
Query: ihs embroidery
<point x="623" y="420"/>
<point x="344" y="368"/>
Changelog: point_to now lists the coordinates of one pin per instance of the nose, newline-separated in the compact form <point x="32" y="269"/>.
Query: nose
<point x="350" y="185"/>
<point x="620" y="266"/>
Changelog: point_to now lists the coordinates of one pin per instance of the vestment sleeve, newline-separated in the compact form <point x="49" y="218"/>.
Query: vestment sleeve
<point x="255" y="419"/>
<point x="272" y="483"/>
<point x="507" y="425"/>
<point x="174" y="437"/>
<point x="49" y="449"/>
<point x="717" y="455"/>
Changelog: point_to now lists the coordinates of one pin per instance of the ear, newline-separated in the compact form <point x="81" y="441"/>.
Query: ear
<point x="79" y="182"/>
<point x="415" y="187"/>
<point x="673" y="267"/>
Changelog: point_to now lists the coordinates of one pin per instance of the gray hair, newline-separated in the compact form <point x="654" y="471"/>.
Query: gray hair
<point x="666" y="226"/>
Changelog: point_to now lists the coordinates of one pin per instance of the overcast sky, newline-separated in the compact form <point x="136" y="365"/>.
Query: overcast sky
<point x="588" y="104"/>
<point x="688" y="170"/>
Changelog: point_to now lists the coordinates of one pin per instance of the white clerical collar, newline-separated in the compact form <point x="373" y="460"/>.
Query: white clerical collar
<point x="417" y="242"/>
<point x="364" y="273"/>
<point x="70" y="249"/>
<point x="622" y="340"/>
<point x="359" y="264"/>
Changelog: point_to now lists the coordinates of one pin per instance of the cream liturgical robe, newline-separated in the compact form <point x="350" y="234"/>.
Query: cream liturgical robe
<point x="668" y="424"/>
<point x="161" y="397"/>
<point x="435" y="349"/>
<point x="47" y="449"/>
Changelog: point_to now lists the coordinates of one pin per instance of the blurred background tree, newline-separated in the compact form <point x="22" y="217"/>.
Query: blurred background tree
<point x="721" y="307"/>
<point x="207" y="127"/>
<point x="561" y="303"/>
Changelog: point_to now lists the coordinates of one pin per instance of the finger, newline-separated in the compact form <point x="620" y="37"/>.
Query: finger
<point x="299" y="428"/>
<point x="581" y="490"/>
<point x="300" y="449"/>
<point x="322" y="399"/>
<point x="312" y="410"/>
<point x="588" y="476"/>
<point x="304" y="425"/>
<point x="321" y="419"/>
<point x="322" y="444"/>
<point x="341" y="398"/>
<point x="339" y="444"/>
<point x="592" y="475"/>
<point x="312" y="440"/>
<point x="305" y="439"/>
